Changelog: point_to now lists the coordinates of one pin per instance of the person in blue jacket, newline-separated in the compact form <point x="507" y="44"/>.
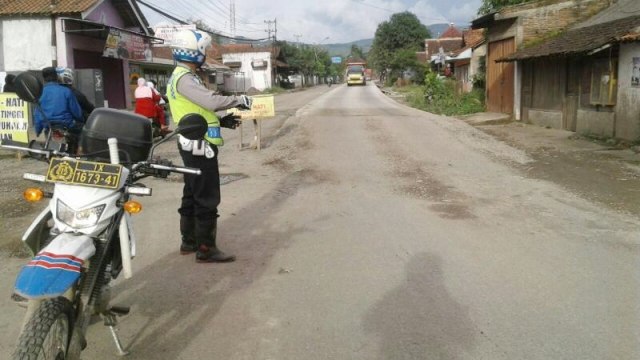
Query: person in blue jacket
<point x="59" y="108"/>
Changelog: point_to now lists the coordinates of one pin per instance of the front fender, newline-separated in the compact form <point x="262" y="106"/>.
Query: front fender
<point x="38" y="231"/>
<point x="56" y="267"/>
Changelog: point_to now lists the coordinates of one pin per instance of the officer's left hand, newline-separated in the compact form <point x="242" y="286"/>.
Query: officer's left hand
<point x="229" y="122"/>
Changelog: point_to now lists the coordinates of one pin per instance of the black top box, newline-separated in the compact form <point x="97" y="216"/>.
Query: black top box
<point x="134" y="134"/>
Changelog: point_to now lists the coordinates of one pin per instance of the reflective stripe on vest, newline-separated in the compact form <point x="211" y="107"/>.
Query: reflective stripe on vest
<point x="181" y="106"/>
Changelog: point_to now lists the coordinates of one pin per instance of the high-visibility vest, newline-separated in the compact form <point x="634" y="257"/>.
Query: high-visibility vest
<point x="181" y="106"/>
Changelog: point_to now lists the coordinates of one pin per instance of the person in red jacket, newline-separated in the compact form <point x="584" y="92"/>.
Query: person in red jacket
<point x="146" y="100"/>
<point x="164" y="127"/>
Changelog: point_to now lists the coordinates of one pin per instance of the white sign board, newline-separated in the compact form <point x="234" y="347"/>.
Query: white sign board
<point x="167" y="31"/>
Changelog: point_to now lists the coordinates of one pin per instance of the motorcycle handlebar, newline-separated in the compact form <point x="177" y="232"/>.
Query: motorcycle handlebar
<point x="179" y="169"/>
<point x="14" y="145"/>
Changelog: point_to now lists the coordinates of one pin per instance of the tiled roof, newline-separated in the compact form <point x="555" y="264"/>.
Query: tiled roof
<point x="473" y="38"/>
<point x="43" y="7"/>
<point x="451" y="32"/>
<point x="582" y="40"/>
<point x="432" y="46"/>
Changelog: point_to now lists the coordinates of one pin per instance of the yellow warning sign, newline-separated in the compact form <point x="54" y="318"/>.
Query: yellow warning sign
<point x="14" y="118"/>
<point x="263" y="106"/>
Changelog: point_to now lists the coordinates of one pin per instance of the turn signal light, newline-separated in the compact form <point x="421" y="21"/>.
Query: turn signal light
<point x="33" y="194"/>
<point x="132" y="207"/>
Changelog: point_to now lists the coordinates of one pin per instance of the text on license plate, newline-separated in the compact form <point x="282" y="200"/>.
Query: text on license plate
<point x="80" y="172"/>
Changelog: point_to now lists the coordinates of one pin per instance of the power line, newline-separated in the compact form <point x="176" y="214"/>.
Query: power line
<point x="168" y="15"/>
<point x="362" y="2"/>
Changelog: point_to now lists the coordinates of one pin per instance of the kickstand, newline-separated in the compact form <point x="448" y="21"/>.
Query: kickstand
<point x="111" y="321"/>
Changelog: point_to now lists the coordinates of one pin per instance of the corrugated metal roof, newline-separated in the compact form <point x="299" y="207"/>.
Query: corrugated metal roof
<point x="43" y="7"/>
<point x="583" y="40"/>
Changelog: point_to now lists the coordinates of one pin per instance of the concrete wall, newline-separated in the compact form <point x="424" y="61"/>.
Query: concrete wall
<point x="105" y="13"/>
<point x="599" y="123"/>
<point x="259" y="78"/>
<point x="546" y="118"/>
<point x="478" y="53"/>
<point x="628" y="104"/>
<point x="26" y="44"/>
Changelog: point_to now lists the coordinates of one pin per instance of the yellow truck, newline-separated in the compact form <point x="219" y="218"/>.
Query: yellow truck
<point x="356" y="74"/>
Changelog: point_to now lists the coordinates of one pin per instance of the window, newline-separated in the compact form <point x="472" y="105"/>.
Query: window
<point x="604" y="81"/>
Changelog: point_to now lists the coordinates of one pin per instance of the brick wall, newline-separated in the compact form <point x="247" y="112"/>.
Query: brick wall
<point x="541" y="18"/>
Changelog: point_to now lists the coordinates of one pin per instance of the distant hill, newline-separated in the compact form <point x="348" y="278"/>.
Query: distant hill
<point x="344" y="48"/>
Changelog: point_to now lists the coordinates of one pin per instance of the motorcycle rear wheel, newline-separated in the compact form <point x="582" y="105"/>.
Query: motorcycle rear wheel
<point x="46" y="335"/>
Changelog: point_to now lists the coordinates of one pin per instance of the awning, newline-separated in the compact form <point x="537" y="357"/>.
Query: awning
<point x="281" y="64"/>
<point x="214" y="65"/>
<point x="233" y="64"/>
<point x="465" y="55"/>
<point x="99" y="31"/>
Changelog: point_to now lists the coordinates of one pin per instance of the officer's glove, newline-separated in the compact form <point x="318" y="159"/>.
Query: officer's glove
<point x="245" y="102"/>
<point x="229" y="121"/>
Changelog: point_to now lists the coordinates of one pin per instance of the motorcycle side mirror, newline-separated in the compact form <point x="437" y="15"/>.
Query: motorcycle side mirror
<point x="28" y="87"/>
<point x="192" y="126"/>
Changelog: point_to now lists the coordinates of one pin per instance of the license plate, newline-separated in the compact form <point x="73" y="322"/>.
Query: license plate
<point x="87" y="173"/>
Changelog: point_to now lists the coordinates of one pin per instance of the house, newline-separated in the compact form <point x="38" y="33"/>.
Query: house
<point x="251" y="66"/>
<point x="587" y="79"/>
<point x="437" y="49"/>
<point x="518" y="26"/>
<point x="469" y="60"/>
<point x="162" y="66"/>
<point x="102" y="37"/>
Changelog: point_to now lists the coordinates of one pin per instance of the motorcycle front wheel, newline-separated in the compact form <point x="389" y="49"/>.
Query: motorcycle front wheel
<point x="46" y="335"/>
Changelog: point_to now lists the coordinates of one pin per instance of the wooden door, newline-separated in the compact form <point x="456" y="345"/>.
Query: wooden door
<point x="500" y="77"/>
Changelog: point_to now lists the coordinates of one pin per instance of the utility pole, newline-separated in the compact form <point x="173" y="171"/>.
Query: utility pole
<point x="273" y="44"/>
<point x="232" y="17"/>
<point x="269" y="30"/>
<point x="297" y="39"/>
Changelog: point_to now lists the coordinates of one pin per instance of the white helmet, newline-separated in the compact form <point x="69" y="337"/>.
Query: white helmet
<point x="190" y="46"/>
<point x="65" y="75"/>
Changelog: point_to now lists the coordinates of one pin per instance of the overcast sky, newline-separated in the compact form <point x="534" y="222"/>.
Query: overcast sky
<point x="312" y="21"/>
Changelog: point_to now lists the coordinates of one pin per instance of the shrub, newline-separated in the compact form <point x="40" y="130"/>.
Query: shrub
<point x="438" y="95"/>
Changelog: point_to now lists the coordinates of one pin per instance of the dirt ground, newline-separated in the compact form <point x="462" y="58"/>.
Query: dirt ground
<point x="597" y="171"/>
<point x="602" y="173"/>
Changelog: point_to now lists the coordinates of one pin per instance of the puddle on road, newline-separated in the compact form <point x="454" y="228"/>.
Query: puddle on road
<point x="228" y="178"/>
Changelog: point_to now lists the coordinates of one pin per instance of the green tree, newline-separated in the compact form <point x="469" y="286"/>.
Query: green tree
<point x="489" y="6"/>
<point x="307" y="60"/>
<point x="356" y="52"/>
<point x="395" y="44"/>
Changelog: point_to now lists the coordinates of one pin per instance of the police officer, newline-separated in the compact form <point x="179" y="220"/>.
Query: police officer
<point x="201" y="194"/>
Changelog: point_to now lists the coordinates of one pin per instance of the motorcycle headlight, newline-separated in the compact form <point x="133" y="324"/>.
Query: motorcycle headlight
<point x="79" y="219"/>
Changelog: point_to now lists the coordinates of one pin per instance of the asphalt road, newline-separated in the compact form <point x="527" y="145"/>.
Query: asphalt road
<point x="368" y="230"/>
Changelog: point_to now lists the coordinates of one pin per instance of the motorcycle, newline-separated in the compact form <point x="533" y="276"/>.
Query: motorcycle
<point x="83" y="239"/>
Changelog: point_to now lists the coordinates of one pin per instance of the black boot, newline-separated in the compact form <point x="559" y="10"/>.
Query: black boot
<point x="206" y="239"/>
<point x="187" y="230"/>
